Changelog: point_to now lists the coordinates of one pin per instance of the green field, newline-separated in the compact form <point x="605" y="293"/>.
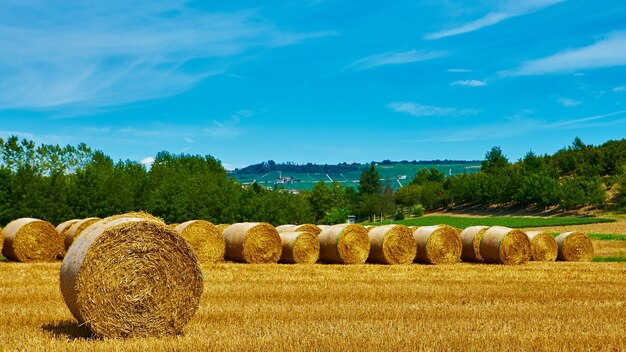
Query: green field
<point x="610" y="259"/>
<point x="508" y="221"/>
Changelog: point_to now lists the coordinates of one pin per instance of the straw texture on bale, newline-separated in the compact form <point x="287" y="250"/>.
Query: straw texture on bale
<point x="543" y="247"/>
<point x="31" y="240"/>
<point x="323" y="227"/>
<point x="131" y="277"/>
<point x="76" y="229"/>
<point x="471" y="237"/>
<point x="252" y="242"/>
<point x="344" y="244"/>
<point x="62" y="229"/>
<point x="221" y="227"/>
<point x="173" y="226"/>
<point x="299" y="247"/>
<point x="438" y="244"/>
<point x="205" y="240"/>
<point x="391" y="244"/>
<point x="314" y="229"/>
<point x="503" y="245"/>
<point x="574" y="247"/>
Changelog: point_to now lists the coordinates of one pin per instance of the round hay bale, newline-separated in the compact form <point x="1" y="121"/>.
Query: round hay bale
<point x="205" y="240"/>
<point x="221" y="227"/>
<point x="543" y="246"/>
<point x="173" y="226"/>
<point x="252" y="242"/>
<point x="314" y="229"/>
<point x="62" y="229"/>
<point x="299" y="247"/>
<point x="439" y="244"/>
<point x="131" y="277"/>
<point x="344" y="244"/>
<point x="413" y="228"/>
<point x="470" y="237"/>
<point x="31" y="240"/>
<point x="76" y="229"/>
<point x="323" y="227"/>
<point x="503" y="245"/>
<point x="574" y="247"/>
<point x="391" y="244"/>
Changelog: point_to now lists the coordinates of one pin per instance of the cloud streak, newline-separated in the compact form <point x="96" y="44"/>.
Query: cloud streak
<point x="393" y="58"/>
<point x="469" y="83"/>
<point x="419" y="110"/>
<point x="509" y="10"/>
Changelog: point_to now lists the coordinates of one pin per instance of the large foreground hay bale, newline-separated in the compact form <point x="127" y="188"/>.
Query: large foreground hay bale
<point x="62" y="229"/>
<point x="31" y="240"/>
<point x="470" y="237"/>
<point x="314" y="229"/>
<point x="438" y="244"/>
<point x="543" y="247"/>
<point x="205" y="240"/>
<point x="504" y="245"/>
<point x="344" y="244"/>
<point x="391" y="244"/>
<point x="574" y="247"/>
<point x="131" y="277"/>
<point x="76" y="229"/>
<point x="299" y="247"/>
<point x="252" y="242"/>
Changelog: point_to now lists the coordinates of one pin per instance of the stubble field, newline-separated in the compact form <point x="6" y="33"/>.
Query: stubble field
<point x="537" y="306"/>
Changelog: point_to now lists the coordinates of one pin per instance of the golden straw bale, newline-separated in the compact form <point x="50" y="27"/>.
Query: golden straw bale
<point x="471" y="237"/>
<point x="76" y="229"/>
<point x="438" y="244"/>
<point x="131" y="277"/>
<point x="205" y="239"/>
<point x="323" y="227"/>
<point x="62" y="229"/>
<point x="314" y="229"/>
<point x="391" y="244"/>
<point x="31" y="240"/>
<point x="252" y="242"/>
<point x="174" y="225"/>
<point x="543" y="246"/>
<point x="504" y="245"/>
<point x="344" y="244"/>
<point x="221" y="227"/>
<point x="299" y="247"/>
<point x="574" y="247"/>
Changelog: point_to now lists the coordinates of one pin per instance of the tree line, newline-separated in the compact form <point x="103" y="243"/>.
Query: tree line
<point x="57" y="183"/>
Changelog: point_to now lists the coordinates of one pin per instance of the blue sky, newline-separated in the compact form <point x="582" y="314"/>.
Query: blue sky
<point x="313" y="81"/>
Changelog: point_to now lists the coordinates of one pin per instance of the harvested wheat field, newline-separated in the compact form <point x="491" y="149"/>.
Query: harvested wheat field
<point x="246" y="307"/>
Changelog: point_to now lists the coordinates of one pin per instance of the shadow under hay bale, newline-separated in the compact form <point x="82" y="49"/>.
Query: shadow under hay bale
<point x="252" y="242"/>
<point x="67" y="329"/>
<point x="470" y="237"/>
<point x="205" y="240"/>
<point x="131" y="277"/>
<point x="439" y="244"/>
<point x="31" y="240"/>
<point x="299" y="247"/>
<point x="503" y="245"/>
<point x="543" y="247"/>
<point x="574" y="247"/>
<point x="344" y="244"/>
<point x="391" y="244"/>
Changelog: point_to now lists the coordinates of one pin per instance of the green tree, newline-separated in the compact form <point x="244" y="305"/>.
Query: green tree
<point x="494" y="161"/>
<point x="369" y="182"/>
<point x="336" y="216"/>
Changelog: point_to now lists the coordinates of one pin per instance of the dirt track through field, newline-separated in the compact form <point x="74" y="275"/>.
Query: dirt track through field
<point x="617" y="227"/>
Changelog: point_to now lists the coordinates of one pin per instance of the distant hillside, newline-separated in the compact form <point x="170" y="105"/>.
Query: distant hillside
<point x="304" y="176"/>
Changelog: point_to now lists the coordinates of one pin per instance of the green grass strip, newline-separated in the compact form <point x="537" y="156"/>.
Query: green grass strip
<point x="508" y="221"/>
<point x="609" y="259"/>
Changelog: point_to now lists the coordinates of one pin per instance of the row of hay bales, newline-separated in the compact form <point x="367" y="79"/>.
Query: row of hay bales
<point x="30" y="239"/>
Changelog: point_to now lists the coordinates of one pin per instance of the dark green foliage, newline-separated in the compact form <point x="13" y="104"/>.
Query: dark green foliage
<point x="336" y="216"/>
<point x="495" y="161"/>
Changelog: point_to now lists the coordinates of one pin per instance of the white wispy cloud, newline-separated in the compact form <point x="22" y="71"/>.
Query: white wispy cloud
<point x="416" y="109"/>
<point x="509" y="9"/>
<point x="148" y="161"/>
<point x="394" y="58"/>
<point x="607" y="52"/>
<point x="619" y="89"/>
<point x="229" y="127"/>
<point x="469" y="83"/>
<point x="188" y="140"/>
<point x="106" y="53"/>
<point x="568" y="102"/>
<point x="458" y="70"/>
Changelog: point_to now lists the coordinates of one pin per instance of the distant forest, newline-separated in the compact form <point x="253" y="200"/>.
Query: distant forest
<point x="57" y="183"/>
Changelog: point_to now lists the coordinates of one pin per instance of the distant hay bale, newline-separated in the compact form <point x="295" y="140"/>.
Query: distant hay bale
<point x="221" y="227"/>
<point x="299" y="247"/>
<point x="173" y="226"/>
<point x="503" y="245"/>
<point x="344" y="244"/>
<point x="205" y="240"/>
<point x="76" y="229"/>
<point x="368" y="227"/>
<point x="62" y="229"/>
<point x="439" y="244"/>
<point x="314" y="229"/>
<point x="31" y="240"/>
<point x="574" y="247"/>
<point x="391" y="244"/>
<point x="471" y="237"/>
<point x="323" y="227"/>
<point x="252" y="242"/>
<point x="131" y="277"/>
<point x="543" y="246"/>
<point x="413" y="228"/>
